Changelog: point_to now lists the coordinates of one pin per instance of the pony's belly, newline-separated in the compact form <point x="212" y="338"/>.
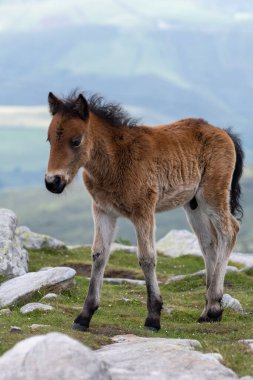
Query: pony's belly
<point x="171" y="199"/>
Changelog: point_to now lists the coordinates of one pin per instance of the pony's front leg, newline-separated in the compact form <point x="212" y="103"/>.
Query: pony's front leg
<point x="147" y="261"/>
<point x="104" y="225"/>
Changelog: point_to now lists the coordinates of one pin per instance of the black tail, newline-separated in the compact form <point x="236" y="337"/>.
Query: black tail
<point x="235" y="191"/>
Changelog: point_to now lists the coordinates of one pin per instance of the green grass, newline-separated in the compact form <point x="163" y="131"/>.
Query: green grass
<point x="123" y="307"/>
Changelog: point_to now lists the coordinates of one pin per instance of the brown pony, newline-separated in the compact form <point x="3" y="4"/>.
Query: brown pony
<point x="135" y="171"/>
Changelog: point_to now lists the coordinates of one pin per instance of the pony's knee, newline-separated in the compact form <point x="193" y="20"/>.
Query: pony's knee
<point x="233" y="230"/>
<point x="147" y="262"/>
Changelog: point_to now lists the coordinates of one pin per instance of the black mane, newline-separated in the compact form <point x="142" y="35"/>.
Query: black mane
<point x="111" y="112"/>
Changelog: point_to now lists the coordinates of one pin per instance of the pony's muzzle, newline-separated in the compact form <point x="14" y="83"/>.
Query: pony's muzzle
<point x="56" y="183"/>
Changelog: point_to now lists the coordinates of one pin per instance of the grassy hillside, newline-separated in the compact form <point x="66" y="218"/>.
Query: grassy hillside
<point x="123" y="307"/>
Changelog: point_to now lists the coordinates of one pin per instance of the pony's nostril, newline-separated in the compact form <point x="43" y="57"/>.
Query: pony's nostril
<point x="55" y="184"/>
<point x="57" y="180"/>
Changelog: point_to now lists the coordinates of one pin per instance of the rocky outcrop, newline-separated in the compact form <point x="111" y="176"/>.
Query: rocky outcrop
<point x="123" y="247"/>
<point x="177" y="243"/>
<point x="159" y="358"/>
<point x="57" y="356"/>
<point x="33" y="240"/>
<point x="16" y="289"/>
<point x="13" y="258"/>
<point x="182" y="242"/>
<point x="51" y="357"/>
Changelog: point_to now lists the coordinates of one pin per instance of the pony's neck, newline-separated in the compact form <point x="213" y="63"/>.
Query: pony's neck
<point x="101" y="142"/>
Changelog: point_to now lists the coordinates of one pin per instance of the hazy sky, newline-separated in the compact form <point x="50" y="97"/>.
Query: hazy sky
<point x="34" y="14"/>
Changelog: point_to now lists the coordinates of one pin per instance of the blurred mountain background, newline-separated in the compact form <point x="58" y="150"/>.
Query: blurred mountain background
<point x="164" y="60"/>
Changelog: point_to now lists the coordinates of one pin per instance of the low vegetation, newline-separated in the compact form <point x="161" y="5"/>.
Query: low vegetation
<point x="123" y="307"/>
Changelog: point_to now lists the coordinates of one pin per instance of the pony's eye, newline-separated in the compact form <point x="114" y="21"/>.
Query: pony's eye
<point x="76" y="142"/>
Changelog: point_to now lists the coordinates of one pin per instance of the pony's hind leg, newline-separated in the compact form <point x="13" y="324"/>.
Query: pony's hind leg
<point x="216" y="230"/>
<point x="104" y="231"/>
<point x="206" y="235"/>
<point x="147" y="261"/>
<point x="226" y="227"/>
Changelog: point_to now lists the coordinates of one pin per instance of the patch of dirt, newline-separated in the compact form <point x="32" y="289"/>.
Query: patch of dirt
<point x="85" y="270"/>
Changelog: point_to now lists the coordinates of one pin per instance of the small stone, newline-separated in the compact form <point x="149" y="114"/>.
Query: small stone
<point x="29" y="307"/>
<point x="119" y="281"/>
<point x="5" y="311"/>
<point x="168" y="310"/>
<point x="50" y="296"/>
<point x="232" y="303"/>
<point x="36" y="326"/>
<point x="15" y="329"/>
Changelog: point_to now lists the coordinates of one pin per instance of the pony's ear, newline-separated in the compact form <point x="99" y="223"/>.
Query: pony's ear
<point x="82" y="107"/>
<point x="54" y="103"/>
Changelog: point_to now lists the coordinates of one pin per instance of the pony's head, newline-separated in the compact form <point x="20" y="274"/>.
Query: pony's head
<point x="66" y="135"/>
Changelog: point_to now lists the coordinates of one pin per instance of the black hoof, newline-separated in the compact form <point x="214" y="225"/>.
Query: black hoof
<point x="152" y="324"/>
<point x="211" y="317"/>
<point x="77" y="326"/>
<point x="203" y="319"/>
<point x="215" y="316"/>
<point x="81" y="323"/>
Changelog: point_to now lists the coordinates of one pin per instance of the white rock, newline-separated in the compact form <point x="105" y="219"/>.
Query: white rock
<point x="119" y="281"/>
<point x="177" y="243"/>
<point x="29" y="307"/>
<point x="242" y="258"/>
<point x="33" y="240"/>
<point x="182" y="242"/>
<point x="52" y="356"/>
<point x="15" y="329"/>
<point x="50" y="296"/>
<point x="13" y="258"/>
<point x="56" y="356"/>
<point x="123" y="247"/>
<point x="200" y="273"/>
<point x="132" y="338"/>
<point x="232" y="303"/>
<point x="137" y="358"/>
<point x="13" y="290"/>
